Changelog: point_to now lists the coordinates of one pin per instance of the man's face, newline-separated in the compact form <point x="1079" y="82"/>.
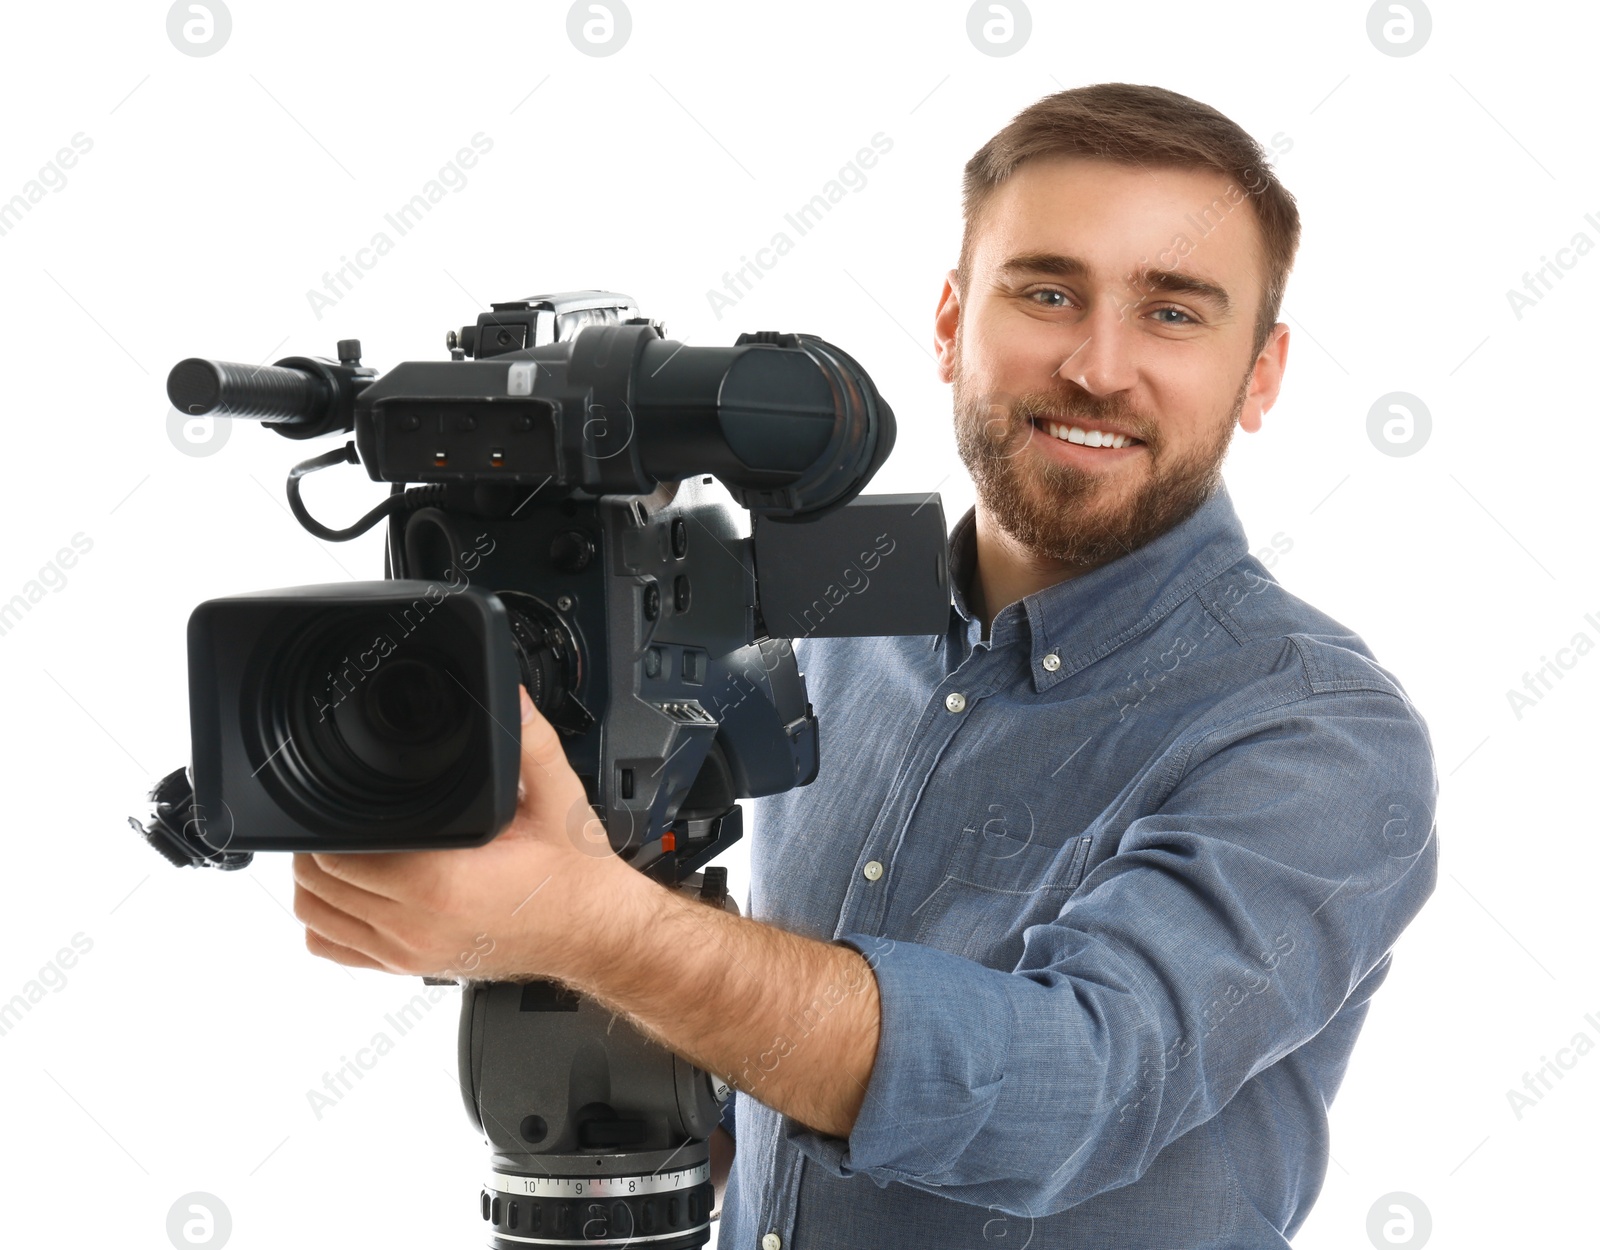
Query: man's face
<point x="1116" y="304"/>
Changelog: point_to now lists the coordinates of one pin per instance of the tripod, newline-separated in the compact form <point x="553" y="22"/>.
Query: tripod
<point x="599" y="1134"/>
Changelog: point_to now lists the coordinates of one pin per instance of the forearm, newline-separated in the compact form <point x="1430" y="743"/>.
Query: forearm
<point x="790" y="1021"/>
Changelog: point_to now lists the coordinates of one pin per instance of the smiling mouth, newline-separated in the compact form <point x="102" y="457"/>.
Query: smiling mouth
<point x="1086" y="435"/>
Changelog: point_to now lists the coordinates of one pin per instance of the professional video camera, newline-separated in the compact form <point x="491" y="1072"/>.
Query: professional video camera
<point x="565" y="535"/>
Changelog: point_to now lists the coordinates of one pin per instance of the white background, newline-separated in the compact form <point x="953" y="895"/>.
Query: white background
<point x="178" y="1054"/>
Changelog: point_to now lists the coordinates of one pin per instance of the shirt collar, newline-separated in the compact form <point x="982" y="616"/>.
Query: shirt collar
<point x="1087" y="617"/>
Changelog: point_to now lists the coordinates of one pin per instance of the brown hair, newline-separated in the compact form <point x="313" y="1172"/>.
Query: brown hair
<point x="1139" y="125"/>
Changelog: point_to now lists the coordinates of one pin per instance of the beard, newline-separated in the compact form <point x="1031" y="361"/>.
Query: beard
<point x="1073" y="517"/>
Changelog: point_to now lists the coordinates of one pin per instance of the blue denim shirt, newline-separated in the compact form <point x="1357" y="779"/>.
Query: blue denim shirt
<point x="1139" y="883"/>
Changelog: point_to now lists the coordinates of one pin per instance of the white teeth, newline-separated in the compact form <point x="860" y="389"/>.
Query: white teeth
<point x="1089" y="438"/>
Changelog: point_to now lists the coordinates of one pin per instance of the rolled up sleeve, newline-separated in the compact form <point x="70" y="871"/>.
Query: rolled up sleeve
<point x="1226" y="929"/>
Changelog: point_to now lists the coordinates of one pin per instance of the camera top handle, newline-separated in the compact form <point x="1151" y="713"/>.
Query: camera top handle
<point x="791" y="424"/>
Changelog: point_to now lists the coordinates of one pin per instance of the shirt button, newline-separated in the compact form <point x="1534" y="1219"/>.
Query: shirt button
<point x="1051" y="662"/>
<point x="955" y="701"/>
<point x="873" y="870"/>
<point x="772" y="1242"/>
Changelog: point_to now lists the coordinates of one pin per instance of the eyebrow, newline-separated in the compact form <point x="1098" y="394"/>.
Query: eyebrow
<point x="1172" y="281"/>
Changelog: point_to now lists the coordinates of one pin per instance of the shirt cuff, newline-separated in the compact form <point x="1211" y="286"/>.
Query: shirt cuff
<point x="946" y="1025"/>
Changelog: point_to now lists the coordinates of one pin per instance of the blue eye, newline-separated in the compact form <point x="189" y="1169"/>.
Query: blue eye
<point x="1051" y="291"/>
<point x="1186" y="317"/>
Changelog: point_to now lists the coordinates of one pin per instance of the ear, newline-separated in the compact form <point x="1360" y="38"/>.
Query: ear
<point x="947" y="325"/>
<point x="1265" y="379"/>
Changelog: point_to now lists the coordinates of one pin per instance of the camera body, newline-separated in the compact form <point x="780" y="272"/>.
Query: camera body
<point x="635" y="531"/>
<point x="631" y="528"/>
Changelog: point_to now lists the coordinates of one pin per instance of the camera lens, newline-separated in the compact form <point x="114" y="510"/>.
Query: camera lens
<point x="407" y="723"/>
<point x="547" y="653"/>
<point x="409" y="700"/>
<point x="361" y="716"/>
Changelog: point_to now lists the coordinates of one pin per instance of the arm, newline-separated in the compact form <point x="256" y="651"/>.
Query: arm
<point x="784" y="1018"/>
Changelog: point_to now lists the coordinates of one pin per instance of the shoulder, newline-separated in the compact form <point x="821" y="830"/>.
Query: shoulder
<point x="1273" y="625"/>
<point x="1283" y="669"/>
<point x="1297" y="675"/>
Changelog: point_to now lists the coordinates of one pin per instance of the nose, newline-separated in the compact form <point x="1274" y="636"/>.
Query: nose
<point x="1100" y="354"/>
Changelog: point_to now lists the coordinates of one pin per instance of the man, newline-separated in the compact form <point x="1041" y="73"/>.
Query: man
<point x="1070" y="941"/>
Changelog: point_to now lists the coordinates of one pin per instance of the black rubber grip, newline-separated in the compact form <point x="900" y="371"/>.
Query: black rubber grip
<point x="268" y="393"/>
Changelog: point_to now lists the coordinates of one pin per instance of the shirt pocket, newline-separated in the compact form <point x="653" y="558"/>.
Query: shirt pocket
<point x="993" y="890"/>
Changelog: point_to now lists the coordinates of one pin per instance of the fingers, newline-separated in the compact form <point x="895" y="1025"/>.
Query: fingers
<point x="359" y="883"/>
<point x="336" y="929"/>
<point x="541" y="745"/>
<point x="546" y="777"/>
<point x="348" y="956"/>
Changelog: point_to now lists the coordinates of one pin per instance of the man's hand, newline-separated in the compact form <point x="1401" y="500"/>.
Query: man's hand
<point x="520" y="906"/>
<point x="548" y="898"/>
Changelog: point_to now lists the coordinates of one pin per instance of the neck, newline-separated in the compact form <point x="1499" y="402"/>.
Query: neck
<point x="1005" y="571"/>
